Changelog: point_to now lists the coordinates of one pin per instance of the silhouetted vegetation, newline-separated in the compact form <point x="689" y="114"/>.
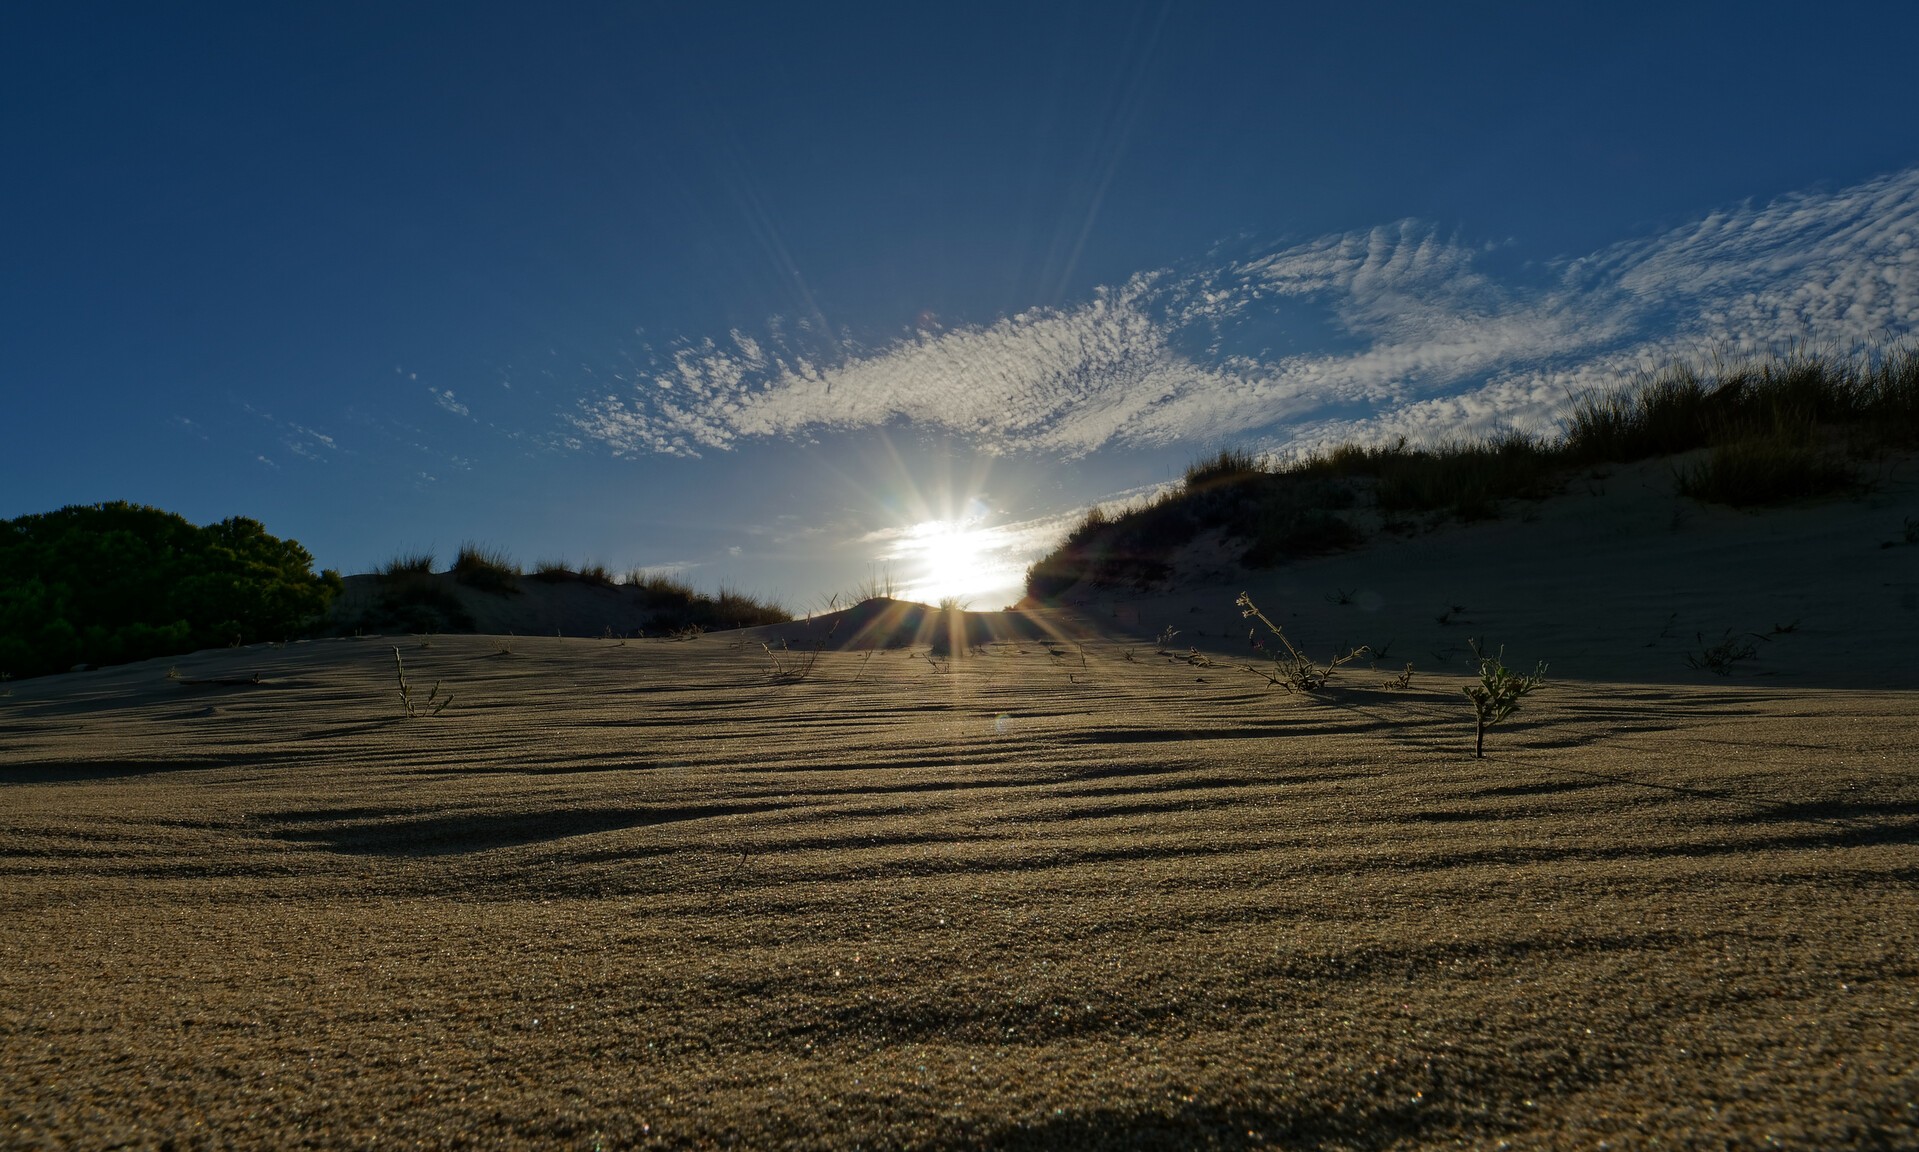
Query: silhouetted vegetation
<point x="408" y="564"/>
<point x="111" y="583"/>
<point x="409" y="599"/>
<point x="557" y="572"/>
<point x="1784" y="429"/>
<point x="487" y="569"/>
<point x="413" y="599"/>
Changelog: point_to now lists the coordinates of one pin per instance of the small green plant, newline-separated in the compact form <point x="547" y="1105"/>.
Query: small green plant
<point x="1292" y="669"/>
<point x="1165" y="638"/>
<point x="1497" y="694"/>
<point x="432" y="706"/>
<point x="1400" y="682"/>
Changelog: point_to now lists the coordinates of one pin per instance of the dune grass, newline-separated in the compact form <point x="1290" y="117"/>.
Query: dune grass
<point x="1771" y="431"/>
<point x="486" y="568"/>
<point x="403" y="564"/>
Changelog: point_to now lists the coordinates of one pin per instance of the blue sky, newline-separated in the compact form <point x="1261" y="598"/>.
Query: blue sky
<point x="785" y="295"/>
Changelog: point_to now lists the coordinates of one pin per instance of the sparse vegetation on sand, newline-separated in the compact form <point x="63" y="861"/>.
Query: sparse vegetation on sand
<point x="1787" y="428"/>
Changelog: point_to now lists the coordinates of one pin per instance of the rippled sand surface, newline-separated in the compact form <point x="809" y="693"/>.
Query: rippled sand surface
<point x="1048" y="895"/>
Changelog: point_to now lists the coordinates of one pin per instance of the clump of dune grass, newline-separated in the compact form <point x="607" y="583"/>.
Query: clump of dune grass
<point x="487" y="569"/>
<point x="1772" y="430"/>
<point x="1766" y="466"/>
<point x="404" y="564"/>
<point x="560" y="572"/>
<point x="880" y="584"/>
<point x="676" y="605"/>
<point x="412" y="599"/>
<point x="659" y="587"/>
<point x="736" y="609"/>
<point x="1228" y="466"/>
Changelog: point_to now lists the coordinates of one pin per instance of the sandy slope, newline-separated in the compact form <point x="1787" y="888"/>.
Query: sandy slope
<point x="1618" y="579"/>
<point x="1056" y="893"/>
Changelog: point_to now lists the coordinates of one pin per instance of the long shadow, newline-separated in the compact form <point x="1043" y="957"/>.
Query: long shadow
<point x="76" y="771"/>
<point x="478" y="832"/>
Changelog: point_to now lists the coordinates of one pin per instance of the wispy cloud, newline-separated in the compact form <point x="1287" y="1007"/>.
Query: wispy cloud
<point x="445" y="399"/>
<point x="1400" y="330"/>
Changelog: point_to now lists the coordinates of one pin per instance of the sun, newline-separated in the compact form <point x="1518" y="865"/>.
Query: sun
<point x="953" y="560"/>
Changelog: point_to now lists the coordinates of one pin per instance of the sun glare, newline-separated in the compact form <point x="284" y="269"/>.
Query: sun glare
<point x="954" y="559"/>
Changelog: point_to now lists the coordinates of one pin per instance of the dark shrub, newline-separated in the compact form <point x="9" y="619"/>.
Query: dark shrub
<point x="106" y="583"/>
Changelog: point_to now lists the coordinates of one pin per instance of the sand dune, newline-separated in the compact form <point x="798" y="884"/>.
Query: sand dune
<point x="1052" y="889"/>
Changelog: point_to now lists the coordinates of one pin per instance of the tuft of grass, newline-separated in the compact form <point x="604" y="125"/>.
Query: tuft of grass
<point x="1229" y="466"/>
<point x="486" y="568"/>
<point x="596" y="574"/>
<point x="660" y="588"/>
<point x="407" y="564"/>
<point x="433" y="705"/>
<point x="880" y="584"/>
<point x="1766" y="468"/>
<point x="1497" y="694"/>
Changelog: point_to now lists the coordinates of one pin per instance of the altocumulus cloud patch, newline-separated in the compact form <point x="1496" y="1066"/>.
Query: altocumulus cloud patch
<point x="1417" y="336"/>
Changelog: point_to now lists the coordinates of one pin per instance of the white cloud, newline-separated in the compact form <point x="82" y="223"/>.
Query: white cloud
<point x="1407" y="332"/>
<point x="445" y="400"/>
